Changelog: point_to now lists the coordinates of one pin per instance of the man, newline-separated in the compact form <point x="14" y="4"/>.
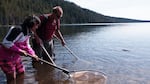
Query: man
<point x="49" y="28"/>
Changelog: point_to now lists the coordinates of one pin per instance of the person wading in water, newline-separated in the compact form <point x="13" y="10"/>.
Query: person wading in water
<point x="49" y="28"/>
<point x="15" y="44"/>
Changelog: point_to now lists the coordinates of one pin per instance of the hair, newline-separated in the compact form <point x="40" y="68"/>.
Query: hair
<point x="58" y="9"/>
<point x="29" y="22"/>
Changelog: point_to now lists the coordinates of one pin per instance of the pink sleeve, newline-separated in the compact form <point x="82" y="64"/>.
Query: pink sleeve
<point x="30" y="51"/>
<point x="25" y="46"/>
<point x="15" y="49"/>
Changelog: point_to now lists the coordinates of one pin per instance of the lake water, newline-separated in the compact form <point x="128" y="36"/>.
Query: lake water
<point x="120" y="51"/>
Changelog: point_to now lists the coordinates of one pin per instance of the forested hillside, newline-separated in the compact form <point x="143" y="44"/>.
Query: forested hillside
<point x="14" y="11"/>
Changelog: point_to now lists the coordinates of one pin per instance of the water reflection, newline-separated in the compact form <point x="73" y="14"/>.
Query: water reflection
<point x="120" y="51"/>
<point x="44" y="73"/>
<point x="70" y="30"/>
<point x="3" y="31"/>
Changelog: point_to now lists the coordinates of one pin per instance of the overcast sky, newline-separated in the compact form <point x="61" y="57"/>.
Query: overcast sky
<point x="134" y="9"/>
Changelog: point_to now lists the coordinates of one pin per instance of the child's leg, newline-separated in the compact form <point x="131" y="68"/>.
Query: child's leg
<point x="11" y="78"/>
<point x="19" y="71"/>
<point x="15" y="79"/>
<point x="9" y="70"/>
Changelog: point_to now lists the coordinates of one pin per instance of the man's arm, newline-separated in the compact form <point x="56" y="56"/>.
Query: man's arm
<point x="60" y="37"/>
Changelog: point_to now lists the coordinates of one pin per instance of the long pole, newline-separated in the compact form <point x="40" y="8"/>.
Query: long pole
<point x="63" y="69"/>
<point x="76" y="55"/>
<point x="71" y="52"/>
<point x="47" y="53"/>
<point x="68" y="49"/>
<point x="53" y="65"/>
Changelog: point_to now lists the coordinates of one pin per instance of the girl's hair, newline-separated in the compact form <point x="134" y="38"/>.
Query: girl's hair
<point x="29" y="22"/>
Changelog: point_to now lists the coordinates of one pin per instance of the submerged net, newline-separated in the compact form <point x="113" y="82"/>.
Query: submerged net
<point x="88" y="77"/>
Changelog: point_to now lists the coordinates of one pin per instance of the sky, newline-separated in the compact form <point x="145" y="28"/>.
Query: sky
<point x="133" y="9"/>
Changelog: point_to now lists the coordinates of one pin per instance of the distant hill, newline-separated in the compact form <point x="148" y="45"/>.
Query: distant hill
<point x="14" y="11"/>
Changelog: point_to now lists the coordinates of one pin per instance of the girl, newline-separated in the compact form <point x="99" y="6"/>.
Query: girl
<point x="15" y="44"/>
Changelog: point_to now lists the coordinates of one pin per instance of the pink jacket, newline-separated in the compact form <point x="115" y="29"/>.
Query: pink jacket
<point x="11" y="49"/>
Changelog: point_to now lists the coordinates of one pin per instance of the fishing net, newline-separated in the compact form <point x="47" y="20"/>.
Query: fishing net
<point x="88" y="77"/>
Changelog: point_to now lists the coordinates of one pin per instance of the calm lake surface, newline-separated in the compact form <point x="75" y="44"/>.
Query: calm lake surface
<point x="120" y="51"/>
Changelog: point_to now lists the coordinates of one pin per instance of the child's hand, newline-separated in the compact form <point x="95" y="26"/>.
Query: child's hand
<point x="36" y="57"/>
<point x="23" y="53"/>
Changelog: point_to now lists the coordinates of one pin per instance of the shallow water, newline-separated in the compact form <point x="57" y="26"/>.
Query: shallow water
<point x="121" y="51"/>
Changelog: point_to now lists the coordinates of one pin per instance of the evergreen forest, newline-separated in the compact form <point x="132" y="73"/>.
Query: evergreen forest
<point x="14" y="12"/>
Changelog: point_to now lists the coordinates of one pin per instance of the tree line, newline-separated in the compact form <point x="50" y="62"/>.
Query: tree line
<point x="14" y="11"/>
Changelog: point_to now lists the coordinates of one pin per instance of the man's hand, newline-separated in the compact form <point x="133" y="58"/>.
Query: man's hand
<point x="63" y="43"/>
